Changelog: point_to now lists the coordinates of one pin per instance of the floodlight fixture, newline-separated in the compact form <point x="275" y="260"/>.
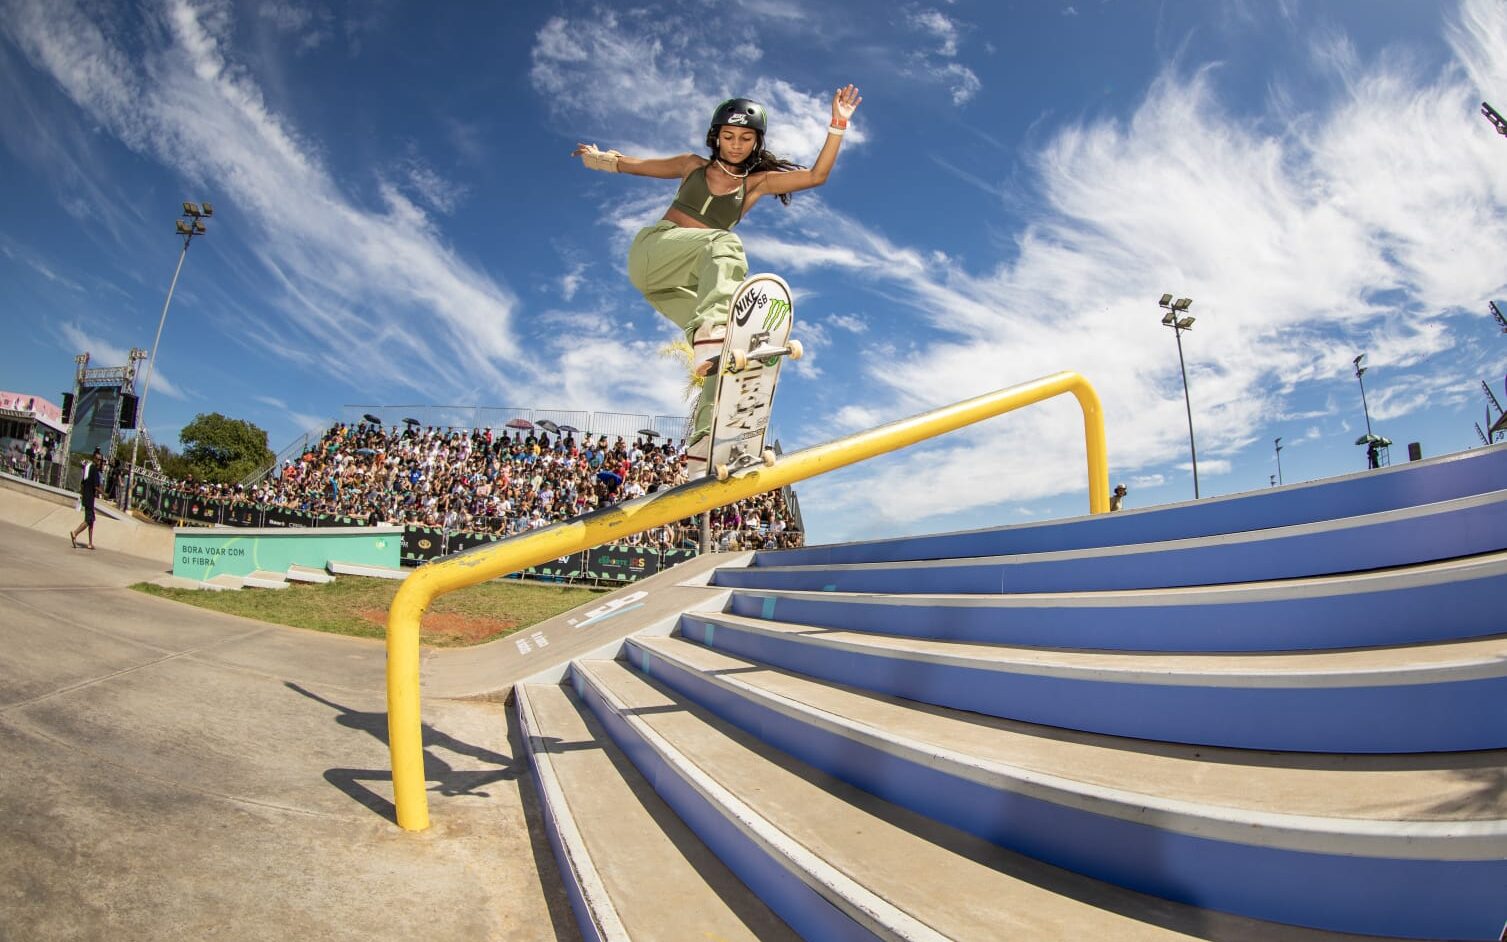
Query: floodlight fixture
<point x="1497" y="121"/>
<point x="1178" y="325"/>
<point x="183" y="229"/>
<point x="209" y="210"/>
<point x="198" y="227"/>
<point x="190" y="209"/>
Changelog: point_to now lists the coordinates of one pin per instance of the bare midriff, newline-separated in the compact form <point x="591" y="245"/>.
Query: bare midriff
<point x="682" y="219"/>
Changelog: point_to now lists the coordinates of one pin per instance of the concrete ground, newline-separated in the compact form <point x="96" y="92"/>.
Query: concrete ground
<point x="172" y="773"/>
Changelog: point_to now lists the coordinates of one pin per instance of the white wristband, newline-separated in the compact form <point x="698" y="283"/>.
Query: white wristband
<point x="605" y="160"/>
<point x="837" y="131"/>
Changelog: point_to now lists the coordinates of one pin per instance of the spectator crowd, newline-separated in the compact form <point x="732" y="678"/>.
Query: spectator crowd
<point x="502" y="482"/>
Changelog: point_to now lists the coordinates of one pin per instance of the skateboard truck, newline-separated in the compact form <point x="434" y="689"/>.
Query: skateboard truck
<point x="765" y="354"/>
<point x="742" y="461"/>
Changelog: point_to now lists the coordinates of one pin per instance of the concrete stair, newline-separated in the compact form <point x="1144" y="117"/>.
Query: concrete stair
<point x="1274" y="716"/>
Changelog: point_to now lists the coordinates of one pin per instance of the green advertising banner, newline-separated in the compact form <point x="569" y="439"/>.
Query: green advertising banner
<point x="203" y="552"/>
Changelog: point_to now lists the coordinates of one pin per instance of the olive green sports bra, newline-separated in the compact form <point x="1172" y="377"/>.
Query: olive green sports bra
<point x="696" y="200"/>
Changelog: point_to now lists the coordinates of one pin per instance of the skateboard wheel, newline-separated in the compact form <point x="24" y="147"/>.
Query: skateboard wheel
<point x="722" y="472"/>
<point x="768" y="457"/>
<point x="796" y="350"/>
<point x="740" y="361"/>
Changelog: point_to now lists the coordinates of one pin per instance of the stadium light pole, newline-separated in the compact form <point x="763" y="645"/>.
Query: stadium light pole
<point x="1360" y="372"/>
<point x="1497" y="315"/>
<point x="1177" y="318"/>
<point x="190" y="224"/>
<point x="1278" y="444"/>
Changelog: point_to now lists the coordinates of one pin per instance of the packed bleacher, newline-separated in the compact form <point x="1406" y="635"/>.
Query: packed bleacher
<point x="496" y="482"/>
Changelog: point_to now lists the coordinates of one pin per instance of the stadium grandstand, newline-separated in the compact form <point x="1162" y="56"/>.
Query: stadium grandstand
<point x="458" y="477"/>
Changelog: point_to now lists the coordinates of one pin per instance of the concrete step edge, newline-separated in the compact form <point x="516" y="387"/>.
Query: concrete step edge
<point x="596" y="917"/>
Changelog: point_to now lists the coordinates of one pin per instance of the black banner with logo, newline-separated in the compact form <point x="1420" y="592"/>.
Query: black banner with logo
<point x="243" y="515"/>
<point x="421" y="544"/>
<point x="621" y="563"/>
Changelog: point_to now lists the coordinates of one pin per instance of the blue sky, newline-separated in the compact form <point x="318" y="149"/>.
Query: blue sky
<point x="397" y="220"/>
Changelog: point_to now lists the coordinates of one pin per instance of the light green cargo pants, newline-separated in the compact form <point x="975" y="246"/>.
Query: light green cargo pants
<point x="689" y="275"/>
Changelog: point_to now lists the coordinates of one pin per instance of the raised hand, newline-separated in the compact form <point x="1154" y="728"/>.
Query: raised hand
<point x="844" y="103"/>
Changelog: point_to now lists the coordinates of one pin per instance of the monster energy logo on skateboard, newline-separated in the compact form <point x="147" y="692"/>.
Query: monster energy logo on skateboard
<point x="776" y="309"/>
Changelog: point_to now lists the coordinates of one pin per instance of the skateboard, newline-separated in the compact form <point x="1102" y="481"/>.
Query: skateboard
<point x="757" y="343"/>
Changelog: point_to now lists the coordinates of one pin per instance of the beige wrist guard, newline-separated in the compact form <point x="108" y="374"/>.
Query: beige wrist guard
<point x="600" y="159"/>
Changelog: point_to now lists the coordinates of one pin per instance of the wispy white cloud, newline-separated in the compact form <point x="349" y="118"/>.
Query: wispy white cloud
<point x="665" y="89"/>
<point x="852" y="323"/>
<point x="938" y="61"/>
<point x="187" y="102"/>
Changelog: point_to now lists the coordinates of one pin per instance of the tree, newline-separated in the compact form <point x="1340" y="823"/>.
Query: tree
<point x="223" y="450"/>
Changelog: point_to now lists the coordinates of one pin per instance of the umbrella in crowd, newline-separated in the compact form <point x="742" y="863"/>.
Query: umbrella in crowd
<point x="611" y="478"/>
<point x="366" y="451"/>
<point x="569" y="428"/>
<point x="648" y="433"/>
<point x="372" y="419"/>
<point x="548" y="426"/>
<point x="412" y="422"/>
<point x="523" y="424"/>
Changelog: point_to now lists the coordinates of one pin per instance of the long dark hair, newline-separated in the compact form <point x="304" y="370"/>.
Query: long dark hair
<point x="761" y="162"/>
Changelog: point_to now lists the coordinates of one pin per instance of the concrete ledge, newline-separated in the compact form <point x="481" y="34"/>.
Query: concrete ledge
<point x="361" y="569"/>
<point x="225" y="581"/>
<point x="297" y="573"/>
<point x="262" y="579"/>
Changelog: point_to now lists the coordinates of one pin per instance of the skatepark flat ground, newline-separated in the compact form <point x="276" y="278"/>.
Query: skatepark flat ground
<point x="175" y="773"/>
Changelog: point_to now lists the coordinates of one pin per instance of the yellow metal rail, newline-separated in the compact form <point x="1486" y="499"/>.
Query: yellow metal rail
<point x="622" y="520"/>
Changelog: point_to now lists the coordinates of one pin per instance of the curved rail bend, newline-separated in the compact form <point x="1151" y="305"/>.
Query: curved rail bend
<point x="623" y="520"/>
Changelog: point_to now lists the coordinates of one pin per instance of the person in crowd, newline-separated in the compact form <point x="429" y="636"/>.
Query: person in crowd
<point x="1117" y="499"/>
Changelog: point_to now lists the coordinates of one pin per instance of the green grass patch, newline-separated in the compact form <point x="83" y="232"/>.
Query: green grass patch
<point x="353" y="605"/>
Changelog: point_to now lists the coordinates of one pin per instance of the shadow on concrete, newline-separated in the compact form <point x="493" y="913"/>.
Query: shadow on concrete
<point x="451" y="781"/>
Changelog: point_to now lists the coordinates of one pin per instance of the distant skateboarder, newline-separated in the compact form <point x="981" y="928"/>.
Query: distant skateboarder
<point x="88" y="488"/>
<point x="689" y="263"/>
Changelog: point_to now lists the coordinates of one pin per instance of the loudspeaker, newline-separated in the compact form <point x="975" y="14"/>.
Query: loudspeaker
<point x="127" y="411"/>
<point x="1415" y="451"/>
<point x="67" y="408"/>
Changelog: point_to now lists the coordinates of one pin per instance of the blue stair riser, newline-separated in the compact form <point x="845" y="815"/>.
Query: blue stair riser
<point x="1475" y="472"/>
<point x="1423" y="899"/>
<point x="1457" y="532"/>
<point x="1443" y="612"/>
<point x="805" y="910"/>
<point x="1423" y="717"/>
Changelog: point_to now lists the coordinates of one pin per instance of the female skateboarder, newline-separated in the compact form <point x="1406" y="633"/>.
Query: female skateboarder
<point x="688" y="264"/>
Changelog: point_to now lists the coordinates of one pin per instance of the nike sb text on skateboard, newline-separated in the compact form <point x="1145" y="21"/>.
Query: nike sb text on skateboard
<point x="757" y="343"/>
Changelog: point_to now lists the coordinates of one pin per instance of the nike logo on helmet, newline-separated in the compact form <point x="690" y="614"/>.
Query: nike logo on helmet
<point x="737" y="119"/>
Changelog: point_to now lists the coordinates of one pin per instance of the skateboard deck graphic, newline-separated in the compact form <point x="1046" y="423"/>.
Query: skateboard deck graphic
<point x="756" y="345"/>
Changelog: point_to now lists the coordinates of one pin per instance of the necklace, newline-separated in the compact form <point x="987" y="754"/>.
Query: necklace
<point x="736" y="176"/>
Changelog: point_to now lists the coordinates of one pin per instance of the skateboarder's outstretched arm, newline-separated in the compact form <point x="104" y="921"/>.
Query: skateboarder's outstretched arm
<point x="775" y="183"/>
<point x="665" y="168"/>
